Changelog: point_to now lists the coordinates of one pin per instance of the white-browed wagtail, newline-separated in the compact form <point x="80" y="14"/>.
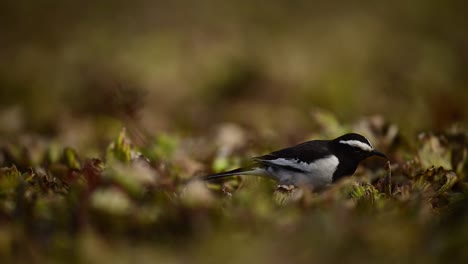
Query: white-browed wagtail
<point x="315" y="163"/>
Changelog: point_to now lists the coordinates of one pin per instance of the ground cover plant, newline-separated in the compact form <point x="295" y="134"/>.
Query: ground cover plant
<point x="137" y="204"/>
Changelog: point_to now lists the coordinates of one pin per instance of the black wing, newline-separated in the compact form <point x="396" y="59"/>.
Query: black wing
<point x="306" y="152"/>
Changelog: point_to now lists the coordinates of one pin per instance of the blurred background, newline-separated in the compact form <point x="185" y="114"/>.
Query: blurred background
<point x="189" y="65"/>
<point x="200" y="86"/>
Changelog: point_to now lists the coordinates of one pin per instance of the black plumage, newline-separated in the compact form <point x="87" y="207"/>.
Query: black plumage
<point x="316" y="163"/>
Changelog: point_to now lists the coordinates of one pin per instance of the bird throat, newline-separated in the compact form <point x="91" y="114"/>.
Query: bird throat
<point x="345" y="168"/>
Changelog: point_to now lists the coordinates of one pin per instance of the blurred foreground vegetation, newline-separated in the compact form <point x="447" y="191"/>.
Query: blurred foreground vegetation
<point x="137" y="204"/>
<point x="108" y="109"/>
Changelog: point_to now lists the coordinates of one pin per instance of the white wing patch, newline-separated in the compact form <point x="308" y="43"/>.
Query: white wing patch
<point x="293" y="163"/>
<point x="317" y="173"/>
<point x="358" y="144"/>
<point x="325" y="166"/>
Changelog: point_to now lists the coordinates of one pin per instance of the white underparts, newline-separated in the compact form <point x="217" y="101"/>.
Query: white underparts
<point x="358" y="144"/>
<point x="319" y="172"/>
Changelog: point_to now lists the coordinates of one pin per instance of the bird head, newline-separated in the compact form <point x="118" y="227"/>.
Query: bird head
<point x="355" y="146"/>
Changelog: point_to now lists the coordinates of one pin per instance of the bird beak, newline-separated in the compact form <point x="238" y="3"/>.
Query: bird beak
<point x="378" y="153"/>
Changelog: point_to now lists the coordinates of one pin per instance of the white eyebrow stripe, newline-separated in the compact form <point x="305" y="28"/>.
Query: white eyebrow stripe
<point x="358" y="144"/>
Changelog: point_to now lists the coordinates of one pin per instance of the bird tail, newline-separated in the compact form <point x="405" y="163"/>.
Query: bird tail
<point x="241" y="171"/>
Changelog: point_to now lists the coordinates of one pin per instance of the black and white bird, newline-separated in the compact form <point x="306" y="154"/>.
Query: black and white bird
<point x="315" y="163"/>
